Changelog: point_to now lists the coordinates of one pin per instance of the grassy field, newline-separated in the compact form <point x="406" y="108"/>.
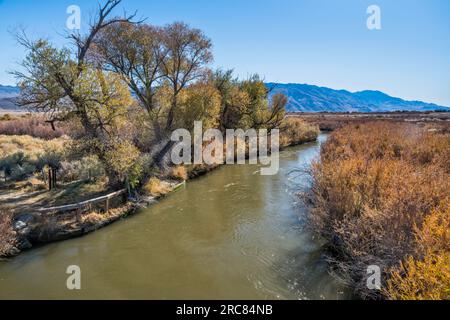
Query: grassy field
<point x="25" y="188"/>
<point x="30" y="146"/>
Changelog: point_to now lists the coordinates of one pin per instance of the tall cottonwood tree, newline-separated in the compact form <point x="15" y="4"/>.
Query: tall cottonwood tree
<point x="158" y="64"/>
<point x="135" y="52"/>
<point x="246" y="104"/>
<point x="188" y="52"/>
<point x="66" y="86"/>
<point x="261" y="112"/>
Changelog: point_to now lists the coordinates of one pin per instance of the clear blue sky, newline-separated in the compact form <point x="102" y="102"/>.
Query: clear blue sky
<point x="322" y="42"/>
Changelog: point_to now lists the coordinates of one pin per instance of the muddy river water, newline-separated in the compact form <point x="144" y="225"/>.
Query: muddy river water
<point x="232" y="234"/>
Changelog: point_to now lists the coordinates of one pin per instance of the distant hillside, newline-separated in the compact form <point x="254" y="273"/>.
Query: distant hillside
<point x="308" y="98"/>
<point x="7" y="95"/>
<point x="8" y="91"/>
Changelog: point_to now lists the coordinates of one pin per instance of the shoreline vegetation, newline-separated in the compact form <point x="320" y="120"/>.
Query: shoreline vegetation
<point x="27" y="227"/>
<point x="380" y="197"/>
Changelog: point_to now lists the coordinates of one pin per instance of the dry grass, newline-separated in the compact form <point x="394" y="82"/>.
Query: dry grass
<point x="334" y="121"/>
<point x="30" y="146"/>
<point x="156" y="187"/>
<point x="96" y="218"/>
<point x="377" y="187"/>
<point x="93" y="218"/>
<point x="179" y="173"/>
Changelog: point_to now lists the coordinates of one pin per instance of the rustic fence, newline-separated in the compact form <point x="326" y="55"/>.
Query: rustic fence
<point x="103" y="202"/>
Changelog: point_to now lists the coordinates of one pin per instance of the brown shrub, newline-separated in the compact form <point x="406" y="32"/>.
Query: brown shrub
<point x="7" y="235"/>
<point x="32" y="126"/>
<point x="5" y="117"/>
<point x="375" y="187"/>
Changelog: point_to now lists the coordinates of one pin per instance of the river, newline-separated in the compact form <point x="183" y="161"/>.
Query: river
<point x="232" y="234"/>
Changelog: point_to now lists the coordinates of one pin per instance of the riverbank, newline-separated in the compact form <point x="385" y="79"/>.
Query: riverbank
<point x="27" y="230"/>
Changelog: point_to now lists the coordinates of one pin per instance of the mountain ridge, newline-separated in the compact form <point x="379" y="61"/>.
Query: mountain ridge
<point x="312" y="98"/>
<point x="7" y="96"/>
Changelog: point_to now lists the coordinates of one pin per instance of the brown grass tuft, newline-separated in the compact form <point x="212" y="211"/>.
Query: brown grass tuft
<point x="179" y="173"/>
<point x="156" y="187"/>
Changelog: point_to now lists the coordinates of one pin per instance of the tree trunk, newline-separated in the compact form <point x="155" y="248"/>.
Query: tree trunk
<point x="50" y="184"/>
<point x="161" y="158"/>
<point x="54" y="177"/>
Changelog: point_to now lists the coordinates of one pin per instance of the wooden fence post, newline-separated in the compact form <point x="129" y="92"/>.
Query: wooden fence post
<point x="54" y="177"/>
<point x="107" y="205"/>
<point x="50" y="179"/>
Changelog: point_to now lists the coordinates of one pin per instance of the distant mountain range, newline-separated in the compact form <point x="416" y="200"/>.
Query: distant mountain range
<point x="7" y="96"/>
<point x="308" y="98"/>
<point x="305" y="98"/>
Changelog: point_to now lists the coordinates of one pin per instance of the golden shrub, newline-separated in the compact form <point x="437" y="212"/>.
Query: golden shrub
<point x="379" y="189"/>
<point x="434" y="235"/>
<point x="94" y="218"/>
<point x="179" y="173"/>
<point x="427" y="279"/>
<point x="156" y="187"/>
<point x="296" y="131"/>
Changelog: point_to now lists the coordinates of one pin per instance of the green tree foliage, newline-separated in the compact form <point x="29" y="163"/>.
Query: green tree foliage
<point x="122" y="158"/>
<point x="245" y="104"/>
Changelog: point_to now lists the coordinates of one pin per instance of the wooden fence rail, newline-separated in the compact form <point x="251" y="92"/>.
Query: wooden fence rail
<point x="86" y="205"/>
